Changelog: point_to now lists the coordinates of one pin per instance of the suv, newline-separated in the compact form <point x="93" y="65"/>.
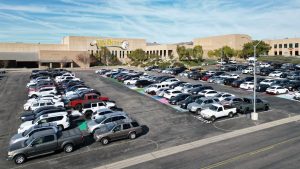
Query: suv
<point x="117" y="130"/>
<point x="200" y="104"/>
<point x="42" y="91"/>
<point x="34" y="129"/>
<point x="93" y="125"/>
<point x="89" y="108"/>
<point x="42" y="103"/>
<point x="61" y="119"/>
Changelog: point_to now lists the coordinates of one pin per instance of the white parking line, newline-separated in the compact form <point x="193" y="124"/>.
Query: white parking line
<point x="196" y="144"/>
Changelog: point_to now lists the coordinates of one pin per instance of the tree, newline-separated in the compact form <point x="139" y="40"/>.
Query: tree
<point x="261" y="49"/>
<point x="225" y="53"/>
<point x="181" y="51"/>
<point x="211" y="53"/>
<point x="198" y="52"/>
<point x="138" y="55"/>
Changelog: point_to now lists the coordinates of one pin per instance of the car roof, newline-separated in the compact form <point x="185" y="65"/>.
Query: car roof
<point x="43" y="133"/>
<point x="62" y="113"/>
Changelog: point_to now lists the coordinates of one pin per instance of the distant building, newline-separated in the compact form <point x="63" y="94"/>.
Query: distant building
<point x="284" y="47"/>
<point x="75" y="51"/>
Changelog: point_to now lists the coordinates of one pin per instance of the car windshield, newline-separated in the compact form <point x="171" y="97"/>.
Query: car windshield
<point x="190" y="98"/>
<point x="25" y="133"/>
<point x="199" y="101"/>
<point x="36" y="120"/>
<point x="227" y="99"/>
<point x="100" y="119"/>
<point x="214" y="108"/>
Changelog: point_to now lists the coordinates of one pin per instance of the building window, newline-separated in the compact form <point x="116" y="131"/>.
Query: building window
<point x="291" y="53"/>
<point x="297" y="53"/>
<point x="165" y="53"/>
<point x="296" y="45"/>
<point x="280" y="53"/>
<point x="123" y="54"/>
<point x="120" y="54"/>
<point x="290" y="45"/>
<point x="285" y="45"/>
<point x="275" y="53"/>
<point x="280" y="45"/>
<point x="275" y="46"/>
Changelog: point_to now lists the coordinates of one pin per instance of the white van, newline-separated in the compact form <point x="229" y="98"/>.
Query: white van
<point x="152" y="89"/>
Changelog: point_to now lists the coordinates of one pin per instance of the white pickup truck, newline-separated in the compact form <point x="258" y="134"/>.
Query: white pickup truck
<point x="217" y="110"/>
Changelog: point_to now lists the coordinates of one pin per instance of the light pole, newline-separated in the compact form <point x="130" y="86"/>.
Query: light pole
<point x="254" y="115"/>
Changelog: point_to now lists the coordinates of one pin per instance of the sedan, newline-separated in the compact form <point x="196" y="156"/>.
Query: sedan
<point x="178" y="98"/>
<point x="247" y="85"/>
<point x="171" y="93"/>
<point x="275" y="74"/>
<point x="277" y="90"/>
<point x="208" y="93"/>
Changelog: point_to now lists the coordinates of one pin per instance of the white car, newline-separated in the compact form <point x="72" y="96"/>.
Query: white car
<point x="264" y="65"/>
<point x="275" y="74"/>
<point x="54" y="98"/>
<point x="210" y="72"/>
<point x="131" y="81"/>
<point x="161" y="92"/>
<point x="216" y="111"/>
<point x="101" y="112"/>
<point x="247" y="70"/>
<point x="247" y="85"/>
<point x="89" y="108"/>
<point x="42" y="103"/>
<point x="67" y="78"/>
<point x="267" y="82"/>
<point x="42" y="91"/>
<point x="155" y="87"/>
<point x="61" y="119"/>
<point x="35" y="81"/>
<point x="208" y="93"/>
<point x="297" y="95"/>
<point x="170" y="81"/>
<point x="222" y="96"/>
<point x="276" y="90"/>
<point x="171" y="93"/>
<point x="57" y="78"/>
<point x="181" y="86"/>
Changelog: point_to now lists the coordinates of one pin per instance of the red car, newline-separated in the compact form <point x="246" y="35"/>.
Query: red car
<point x="77" y="102"/>
<point x="206" y="77"/>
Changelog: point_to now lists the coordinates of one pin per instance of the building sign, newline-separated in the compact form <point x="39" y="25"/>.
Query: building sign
<point x="111" y="43"/>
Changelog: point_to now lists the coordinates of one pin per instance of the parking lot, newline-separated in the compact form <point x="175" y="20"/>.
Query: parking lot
<point x="164" y="125"/>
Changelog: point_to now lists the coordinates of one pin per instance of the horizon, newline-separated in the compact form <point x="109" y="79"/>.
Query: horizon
<point x="156" y="21"/>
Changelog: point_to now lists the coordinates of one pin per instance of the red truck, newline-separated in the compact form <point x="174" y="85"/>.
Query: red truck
<point x="77" y="103"/>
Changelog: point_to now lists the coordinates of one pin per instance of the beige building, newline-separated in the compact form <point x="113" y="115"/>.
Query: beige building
<point x="284" y="47"/>
<point x="75" y="51"/>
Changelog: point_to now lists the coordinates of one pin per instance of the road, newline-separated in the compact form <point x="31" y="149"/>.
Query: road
<point x="274" y="148"/>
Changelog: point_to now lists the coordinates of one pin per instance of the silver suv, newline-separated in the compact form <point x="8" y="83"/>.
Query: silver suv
<point x="200" y="104"/>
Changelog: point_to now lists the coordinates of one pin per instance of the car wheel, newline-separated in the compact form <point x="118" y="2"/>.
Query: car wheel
<point x="230" y="114"/>
<point x="277" y="92"/>
<point x="60" y="127"/>
<point x="128" y="83"/>
<point x="78" y="107"/>
<point x="104" y="141"/>
<point x="88" y="114"/>
<point x="132" y="135"/>
<point x="213" y="118"/>
<point x="198" y="111"/>
<point x="247" y="110"/>
<point x="68" y="148"/>
<point x="20" y="159"/>
<point x="287" y="91"/>
<point x="266" y="108"/>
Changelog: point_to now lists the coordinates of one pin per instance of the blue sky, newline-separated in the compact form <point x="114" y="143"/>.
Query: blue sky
<point x="163" y="21"/>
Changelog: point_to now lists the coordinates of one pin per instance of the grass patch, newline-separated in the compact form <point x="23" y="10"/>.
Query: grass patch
<point x="279" y="59"/>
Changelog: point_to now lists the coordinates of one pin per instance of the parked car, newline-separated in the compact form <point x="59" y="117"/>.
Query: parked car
<point x="171" y="93"/>
<point x="297" y="95"/>
<point x="247" y="85"/>
<point x="175" y="100"/>
<point x="292" y="85"/>
<point x="200" y="104"/>
<point x="275" y="74"/>
<point x="231" y="100"/>
<point x="32" y="116"/>
<point x="42" y="103"/>
<point x="34" y="129"/>
<point x="208" y="93"/>
<point x="143" y="83"/>
<point x="217" y="110"/>
<point x="262" y="87"/>
<point x="61" y="119"/>
<point x="89" y="108"/>
<point x="43" y="142"/>
<point x="247" y="70"/>
<point x="277" y="90"/>
<point x="95" y="124"/>
<point x="77" y="102"/>
<point x="247" y="105"/>
<point x="42" y="91"/>
<point x="118" y="130"/>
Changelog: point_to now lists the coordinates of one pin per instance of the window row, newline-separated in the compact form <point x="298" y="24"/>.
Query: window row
<point x="296" y="53"/>
<point x="290" y="45"/>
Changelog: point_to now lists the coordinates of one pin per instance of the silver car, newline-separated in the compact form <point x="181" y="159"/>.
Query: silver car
<point x="93" y="125"/>
<point x="200" y="104"/>
<point x="34" y="129"/>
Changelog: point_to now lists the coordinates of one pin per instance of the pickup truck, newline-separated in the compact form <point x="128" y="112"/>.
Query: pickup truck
<point x="217" y="110"/>
<point x="44" y="142"/>
<point x="77" y="103"/>
<point x="247" y="105"/>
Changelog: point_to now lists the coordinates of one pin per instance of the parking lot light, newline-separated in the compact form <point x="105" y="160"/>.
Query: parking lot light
<point x="254" y="115"/>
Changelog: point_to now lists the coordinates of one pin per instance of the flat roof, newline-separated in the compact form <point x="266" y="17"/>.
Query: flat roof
<point x="20" y="56"/>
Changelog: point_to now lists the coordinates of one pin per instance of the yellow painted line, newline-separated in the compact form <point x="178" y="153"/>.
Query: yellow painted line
<point x="249" y="154"/>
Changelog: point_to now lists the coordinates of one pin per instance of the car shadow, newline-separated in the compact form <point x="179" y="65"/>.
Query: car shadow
<point x="145" y="129"/>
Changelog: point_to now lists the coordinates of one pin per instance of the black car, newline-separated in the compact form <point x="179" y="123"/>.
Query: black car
<point x="195" y="75"/>
<point x="183" y="104"/>
<point x="248" y="79"/>
<point x="292" y="85"/>
<point x="237" y="83"/>
<point x="143" y="83"/>
<point x="265" y="71"/>
<point x="177" y="70"/>
<point x="228" y="81"/>
<point x="262" y="87"/>
<point x="26" y="114"/>
<point x="178" y="98"/>
<point x="37" y="115"/>
<point x="175" y="84"/>
<point x="195" y="91"/>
